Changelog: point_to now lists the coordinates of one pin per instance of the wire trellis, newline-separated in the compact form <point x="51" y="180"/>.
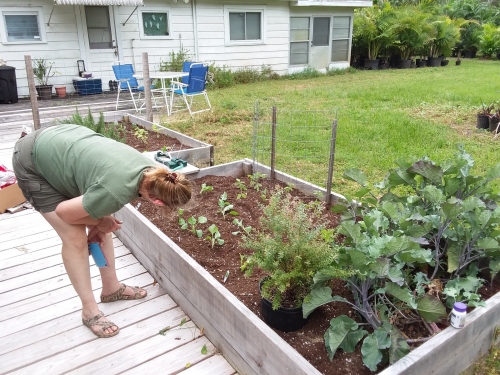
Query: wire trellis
<point x="297" y="143"/>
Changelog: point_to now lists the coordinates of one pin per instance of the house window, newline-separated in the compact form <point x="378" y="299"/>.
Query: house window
<point x="22" y="25"/>
<point x="154" y="24"/>
<point x="299" y="40"/>
<point x="98" y="27"/>
<point x="341" y="34"/>
<point x="244" y="24"/>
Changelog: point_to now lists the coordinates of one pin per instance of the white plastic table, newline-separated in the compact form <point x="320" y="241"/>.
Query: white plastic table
<point x="163" y="77"/>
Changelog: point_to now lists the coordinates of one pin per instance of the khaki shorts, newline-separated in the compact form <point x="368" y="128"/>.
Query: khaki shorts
<point x="42" y="196"/>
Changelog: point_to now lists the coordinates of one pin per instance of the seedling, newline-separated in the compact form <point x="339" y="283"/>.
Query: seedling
<point x="214" y="236"/>
<point x="166" y="149"/>
<point x="243" y="188"/>
<point x="289" y="187"/>
<point x="254" y="180"/>
<point x="191" y="224"/>
<point x="239" y="223"/>
<point x="141" y="134"/>
<point x="156" y="129"/>
<point x="226" y="276"/>
<point x="226" y="207"/>
<point x="205" y="187"/>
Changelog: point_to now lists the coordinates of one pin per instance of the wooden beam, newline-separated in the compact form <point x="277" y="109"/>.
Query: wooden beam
<point x="33" y="96"/>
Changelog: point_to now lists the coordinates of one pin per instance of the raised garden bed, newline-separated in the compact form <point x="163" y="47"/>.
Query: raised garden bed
<point x="247" y="342"/>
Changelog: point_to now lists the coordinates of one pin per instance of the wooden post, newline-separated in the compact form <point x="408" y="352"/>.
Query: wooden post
<point x="147" y="86"/>
<point x="330" y="164"/>
<point x="33" y="99"/>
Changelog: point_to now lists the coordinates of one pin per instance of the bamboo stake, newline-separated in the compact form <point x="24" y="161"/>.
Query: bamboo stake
<point x="33" y="96"/>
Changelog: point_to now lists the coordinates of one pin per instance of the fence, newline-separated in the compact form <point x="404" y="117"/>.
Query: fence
<point x="299" y="143"/>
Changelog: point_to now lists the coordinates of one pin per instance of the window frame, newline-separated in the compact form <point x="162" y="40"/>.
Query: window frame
<point x="244" y="9"/>
<point x="154" y="10"/>
<point x="38" y="11"/>
<point x="349" y="37"/>
<point x="303" y="41"/>
<point x="111" y="32"/>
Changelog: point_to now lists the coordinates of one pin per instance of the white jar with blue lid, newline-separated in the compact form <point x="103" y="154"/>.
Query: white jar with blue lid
<point x="458" y="314"/>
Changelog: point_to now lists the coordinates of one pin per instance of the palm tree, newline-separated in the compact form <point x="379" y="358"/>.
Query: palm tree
<point x="369" y="27"/>
<point x="445" y="35"/>
<point x="410" y="30"/>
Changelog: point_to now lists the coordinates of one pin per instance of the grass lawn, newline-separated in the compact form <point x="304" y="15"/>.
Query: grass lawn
<point x="382" y="116"/>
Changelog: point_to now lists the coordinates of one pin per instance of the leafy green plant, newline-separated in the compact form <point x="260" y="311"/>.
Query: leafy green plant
<point x="255" y="180"/>
<point x="206" y="188"/>
<point x="225" y="207"/>
<point x="156" y="130"/>
<point x="243" y="188"/>
<point x="425" y="226"/>
<point x="191" y="224"/>
<point x="110" y="130"/>
<point x="42" y="70"/>
<point x="175" y="61"/>
<point x="239" y="223"/>
<point x="214" y="237"/>
<point x="289" y="248"/>
<point x="141" y="134"/>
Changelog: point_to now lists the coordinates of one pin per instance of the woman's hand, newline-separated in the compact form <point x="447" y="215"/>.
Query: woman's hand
<point x="95" y="235"/>
<point x="108" y="224"/>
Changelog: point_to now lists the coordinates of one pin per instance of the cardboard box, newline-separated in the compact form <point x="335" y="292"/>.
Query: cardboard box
<point x="10" y="196"/>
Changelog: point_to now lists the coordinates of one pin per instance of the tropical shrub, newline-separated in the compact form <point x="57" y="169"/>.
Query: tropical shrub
<point x="416" y="239"/>
<point x="489" y="40"/>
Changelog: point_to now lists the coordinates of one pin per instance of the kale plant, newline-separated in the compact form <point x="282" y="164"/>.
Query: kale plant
<point x="416" y="239"/>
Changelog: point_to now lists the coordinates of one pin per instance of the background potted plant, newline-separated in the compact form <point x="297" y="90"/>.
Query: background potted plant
<point x="370" y="29"/>
<point x="42" y="69"/>
<point x="444" y="37"/>
<point x="290" y="248"/>
<point x="483" y="116"/>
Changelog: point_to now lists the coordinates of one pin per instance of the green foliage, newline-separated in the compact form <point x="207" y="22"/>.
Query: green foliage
<point x="42" y="70"/>
<point x="191" y="224"/>
<point x="239" y="223"/>
<point x="175" y="61"/>
<point x="423" y="216"/>
<point x="225" y="207"/>
<point x="141" y="134"/>
<point x="489" y="40"/>
<point x="110" y="130"/>
<point x="255" y="180"/>
<point x="289" y="248"/>
<point x="214" y="237"/>
<point x="206" y="188"/>
<point x="243" y="188"/>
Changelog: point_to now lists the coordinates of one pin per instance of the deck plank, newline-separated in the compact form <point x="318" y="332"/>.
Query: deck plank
<point x="40" y="313"/>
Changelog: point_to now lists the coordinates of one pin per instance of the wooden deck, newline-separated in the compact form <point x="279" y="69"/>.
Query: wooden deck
<point x="40" y="314"/>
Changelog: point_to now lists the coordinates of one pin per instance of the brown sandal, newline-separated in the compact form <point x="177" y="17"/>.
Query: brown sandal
<point x="104" y="325"/>
<point x="118" y="295"/>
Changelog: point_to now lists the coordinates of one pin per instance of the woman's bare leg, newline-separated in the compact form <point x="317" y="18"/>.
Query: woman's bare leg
<point x="75" y="257"/>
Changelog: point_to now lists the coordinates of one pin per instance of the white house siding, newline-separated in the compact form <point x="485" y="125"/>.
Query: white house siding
<point x="211" y="36"/>
<point x="62" y="46"/>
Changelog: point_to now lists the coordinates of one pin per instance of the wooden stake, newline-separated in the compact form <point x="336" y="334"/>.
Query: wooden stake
<point x="147" y="86"/>
<point x="33" y="96"/>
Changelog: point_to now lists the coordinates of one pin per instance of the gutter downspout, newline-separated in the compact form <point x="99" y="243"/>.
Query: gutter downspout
<point x="195" y="29"/>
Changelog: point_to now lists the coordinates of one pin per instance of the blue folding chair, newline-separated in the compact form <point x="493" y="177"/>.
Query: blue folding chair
<point x="196" y="85"/>
<point x="124" y="74"/>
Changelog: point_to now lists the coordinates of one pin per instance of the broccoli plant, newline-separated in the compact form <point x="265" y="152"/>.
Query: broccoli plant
<point x="225" y="207"/>
<point x="214" y="237"/>
<point x="415" y="239"/>
<point x="191" y="224"/>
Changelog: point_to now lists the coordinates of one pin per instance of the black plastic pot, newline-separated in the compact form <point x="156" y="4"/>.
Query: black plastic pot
<point x="283" y="319"/>
<point x="445" y="62"/>
<point x="458" y="62"/>
<point x="44" y="92"/>
<point x="421" y="63"/>
<point x="371" y="64"/>
<point x="434" y="61"/>
<point x="483" y="121"/>
<point x="493" y="124"/>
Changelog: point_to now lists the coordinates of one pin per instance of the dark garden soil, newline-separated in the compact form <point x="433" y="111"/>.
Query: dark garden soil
<point x="308" y="341"/>
<point x="150" y="141"/>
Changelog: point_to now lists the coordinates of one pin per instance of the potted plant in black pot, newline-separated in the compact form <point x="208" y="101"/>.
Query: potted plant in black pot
<point x="370" y="26"/>
<point x="290" y="248"/>
<point x="495" y="119"/>
<point x="444" y="37"/>
<point x="483" y="116"/>
<point x="42" y="69"/>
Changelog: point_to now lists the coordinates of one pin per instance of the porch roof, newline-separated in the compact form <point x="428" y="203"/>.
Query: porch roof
<point x="99" y="2"/>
